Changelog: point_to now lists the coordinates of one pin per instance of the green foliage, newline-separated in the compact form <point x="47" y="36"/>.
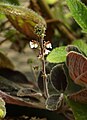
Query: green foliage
<point x="81" y="45"/>
<point x="58" y="55"/>
<point x="79" y="110"/>
<point x="15" y="2"/>
<point x="79" y="12"/>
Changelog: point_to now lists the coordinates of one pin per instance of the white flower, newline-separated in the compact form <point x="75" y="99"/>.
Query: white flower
<point x="33" y="44"/>
<point x="49" y="45"/>
<point x="46" y="52"/>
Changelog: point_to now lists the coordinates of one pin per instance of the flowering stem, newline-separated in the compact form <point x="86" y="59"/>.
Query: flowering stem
<point x="46" y="94"/>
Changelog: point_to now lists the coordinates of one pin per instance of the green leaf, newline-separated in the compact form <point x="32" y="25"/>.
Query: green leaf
<point x="81" y="45"/>
<point x="58" y="55"/>
<point x="79" y="110"/>
<point x="79" y="12"/>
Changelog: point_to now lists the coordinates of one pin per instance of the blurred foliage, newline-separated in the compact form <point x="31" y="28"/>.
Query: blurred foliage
<point x="79" y="12"/>
<point x="15" y="2"/>
<point x="51" y="1"/>
<point x="2" y="108"/>
<point x="78" y="110"/>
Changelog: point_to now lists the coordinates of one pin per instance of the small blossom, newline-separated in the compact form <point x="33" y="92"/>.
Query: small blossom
<point x="33" y="44"/>
<point x="48" y="44"/>
<point x="46" y="52"/>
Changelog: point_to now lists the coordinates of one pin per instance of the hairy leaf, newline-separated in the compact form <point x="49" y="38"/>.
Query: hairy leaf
<point x="58" y="55"/>
<point x="54" y="102"/>
<point x="58" y="78"/>
<point x="25" y="20"/>
<point x="81" y="45"/>
<point x="72" y="48"/>
<point x="77" y="66"/>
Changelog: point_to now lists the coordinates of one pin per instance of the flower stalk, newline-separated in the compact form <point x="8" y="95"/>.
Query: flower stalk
<point x="46" y="94"/>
